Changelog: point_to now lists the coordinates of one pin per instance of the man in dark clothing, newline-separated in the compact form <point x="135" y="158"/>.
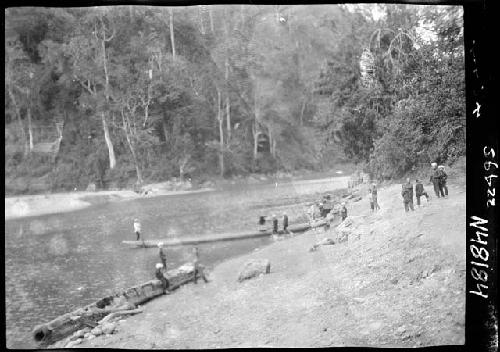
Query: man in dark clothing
<point x="285" y="222"/>
<point x="407" y="193"/>
<point x="327" y="206"/>
<point x="275" y="224"/>
<point x="435" y="179"/>
<point x="163" y="256"/>
<point x="442" y="181"/>
<point x="159" y="275"/>
<point x="198" y="272"/>
<point x="343" y="212"/>
<point x="419" y="191"/>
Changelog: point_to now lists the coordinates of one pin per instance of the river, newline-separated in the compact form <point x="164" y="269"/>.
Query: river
<point x="57" y="263"/>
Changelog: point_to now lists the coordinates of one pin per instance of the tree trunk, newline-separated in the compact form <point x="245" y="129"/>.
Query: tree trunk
<point x="30" y="130"/>
<point x="221" y="133"/>
<point x="302" y="113"/>
<point x="21" y="126"/>
<point x="172" y="41"/>
<point x="255" y="140"/>
<point x="109" y="144"/>
<point x="210" y="14"/>
<point x="107" y="137"/>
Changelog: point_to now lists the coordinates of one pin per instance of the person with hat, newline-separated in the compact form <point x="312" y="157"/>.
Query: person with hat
<point x="442" y="181"/>
<point x="435" y="178"/>
<point x="163" y="256"/>
<point x="159" y="274"/>
<point x="137" y="228"/>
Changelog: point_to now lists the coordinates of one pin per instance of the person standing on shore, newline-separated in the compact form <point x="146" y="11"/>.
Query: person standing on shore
<point x="285" y="222"/>
<point x="275" y="224"/>
<point x="198" y="271"/>
<point x="370" y="197"/>
<point x="419" y="191"/>
<point x="343" y="211"/>
<point x="374" y="196"/>
<point x="137" y="229"/>
<point x="407" y="193"/>
<point x="442" y="181"/>
<point x="163" y="256"/>
<point x="435" y="178"/>
<point x="159" y="274"/>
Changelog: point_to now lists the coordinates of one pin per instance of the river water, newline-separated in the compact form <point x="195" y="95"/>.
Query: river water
<point x="57" y="263"/>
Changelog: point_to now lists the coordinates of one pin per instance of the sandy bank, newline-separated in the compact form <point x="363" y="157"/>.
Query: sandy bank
<point x="34" y="205"/>
<point x="398" y="281"/>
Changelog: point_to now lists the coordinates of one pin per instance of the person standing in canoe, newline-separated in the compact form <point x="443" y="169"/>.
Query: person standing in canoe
<point x="137" y="229"/>
<point x="163" y="256"/>
<point x="159" y="274"/>
<point x="198" y="271"/>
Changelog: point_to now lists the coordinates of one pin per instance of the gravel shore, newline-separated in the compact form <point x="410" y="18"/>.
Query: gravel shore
<point x="399" y="280"/>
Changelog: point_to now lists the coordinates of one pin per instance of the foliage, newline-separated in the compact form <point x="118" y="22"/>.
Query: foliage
<point x="288" y="74"/>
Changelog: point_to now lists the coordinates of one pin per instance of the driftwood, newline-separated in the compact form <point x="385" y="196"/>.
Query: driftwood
<point x="118" y="313"/>
<point x="123" y="303"/>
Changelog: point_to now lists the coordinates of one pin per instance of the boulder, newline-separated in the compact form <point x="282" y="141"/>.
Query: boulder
<point x="323" y="242"/>
<point x="96" y="331"/>
<point x="108" y="328"/>
<point x="91" y="187"/>
<point x="254" y="268"/>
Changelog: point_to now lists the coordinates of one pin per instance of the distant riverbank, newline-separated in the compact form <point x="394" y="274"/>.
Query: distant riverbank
<point x="34" y="205"/>
<point x="52" y="203"/>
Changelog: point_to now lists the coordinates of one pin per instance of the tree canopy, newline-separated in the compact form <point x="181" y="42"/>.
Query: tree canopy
<point x="116" y="95"/>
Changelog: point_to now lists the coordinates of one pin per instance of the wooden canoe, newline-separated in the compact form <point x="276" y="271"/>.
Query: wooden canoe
<point x="297" y="228"/>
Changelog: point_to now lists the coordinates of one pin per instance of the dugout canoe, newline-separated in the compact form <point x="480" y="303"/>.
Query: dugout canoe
<point x="65" y="325"/>
<point x="297" y="228"/>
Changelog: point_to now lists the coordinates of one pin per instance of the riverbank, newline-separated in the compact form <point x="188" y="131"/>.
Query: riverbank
<point x="398" y="281"/>
<point x="34" y="205"/>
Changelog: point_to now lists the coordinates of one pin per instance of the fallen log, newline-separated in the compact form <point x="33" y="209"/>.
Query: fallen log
<point x="65" y="325"/>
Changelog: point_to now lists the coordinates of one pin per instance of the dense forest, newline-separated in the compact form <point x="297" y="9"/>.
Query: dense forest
<point x="125" y="95"/>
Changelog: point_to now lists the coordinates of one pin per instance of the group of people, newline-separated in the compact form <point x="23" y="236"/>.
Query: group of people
<point x="324" y="209"/>
<point x="438" y="179"/>
<point x="161" y="268"/>
<point x="274" y="221"/>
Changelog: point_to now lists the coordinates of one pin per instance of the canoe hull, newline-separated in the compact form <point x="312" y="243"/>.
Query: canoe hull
<point x="218" y="237"/>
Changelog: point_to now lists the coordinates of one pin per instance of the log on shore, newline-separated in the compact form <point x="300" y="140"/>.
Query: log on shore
<point x="90" y="315"/>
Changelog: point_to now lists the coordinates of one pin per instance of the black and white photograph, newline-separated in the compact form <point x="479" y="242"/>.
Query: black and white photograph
<point x="239" y="175"/>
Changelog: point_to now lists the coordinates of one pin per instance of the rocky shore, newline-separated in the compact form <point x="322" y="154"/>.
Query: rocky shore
<point x="389" y="278"/>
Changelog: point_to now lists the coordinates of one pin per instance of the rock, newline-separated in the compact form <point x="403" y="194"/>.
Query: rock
<point x="108" y="328"/>
<point x="74" y="343"/>
<point x="394" y="281"/>
<point x="91" y="336"/>
<point x="254" y="268"/>
<point x="91" y="187"/>
<point x="401" y="329"/>
<point x="87" y="334"/>
<point x="97" y="331"/>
